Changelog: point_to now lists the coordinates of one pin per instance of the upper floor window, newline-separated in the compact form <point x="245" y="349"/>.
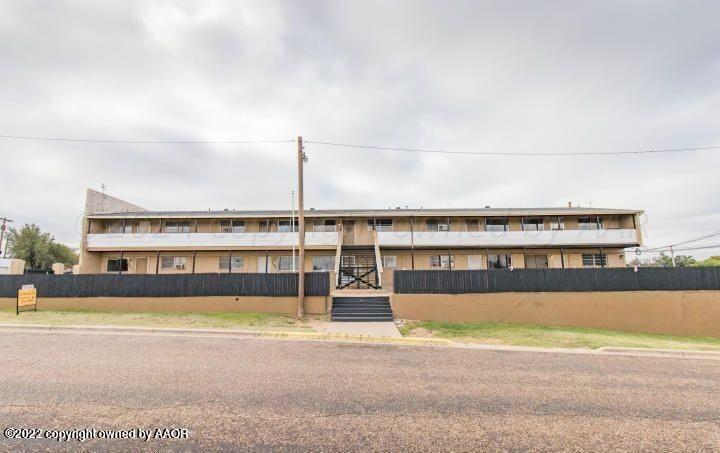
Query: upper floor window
<point x="557" y="223"/>
<point x="177" y="227"/>
<point x="117" y="265"/>
<point x="497" y="224"/>
<point x="590" y="223"/>
<point x="265" y="226"/>
<point x="442" y="261"/>
<point x="177" y="263"/>
<point x="438" y="224"/>
<point x="594" y="259"/>
<point x="115" y="227"/>
<point x="325" y="225"/>
<point x="287" y="226"/>
<point x="533" y="224"/>
<point x="380" y="224"/>
<point x="232" y="226"/>
<point x="472" y="224"/>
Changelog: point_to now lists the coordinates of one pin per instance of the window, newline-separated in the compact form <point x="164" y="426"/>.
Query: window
<point x="238" y="262"/>
<point x="590" y="223"/>
<point x="114" y="265"/>
<point x="177" y="263"/>
<point x="536" y="262"/>
<point x="496" y="225"/>
<point x="115" y="227"/>
<point x="380" y="224"/>
<point x="533" y="224"/>
<point x="389" y="260"/>
<point x="594" y="259"/>
<point x="557" y="223"/>
<point x="286" y="226"/>
<point x="265" y="226"/>
<point x="442" y="261"/>
<point x="472" y="225"/>
<point x="438" y="224"/>
<point x="496" y="261"/>
<point x="323" y="263"/>
<point x="286" y="263"/>
<point x="232" y="226"/>
<point x="325" y="225"/>
<point x="177" y="227"/>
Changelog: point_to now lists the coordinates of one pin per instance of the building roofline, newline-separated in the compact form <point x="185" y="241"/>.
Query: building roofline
<point x="462" y="212"/>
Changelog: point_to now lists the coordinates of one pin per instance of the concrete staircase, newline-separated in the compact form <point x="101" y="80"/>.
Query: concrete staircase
<point x="362" y="309"/>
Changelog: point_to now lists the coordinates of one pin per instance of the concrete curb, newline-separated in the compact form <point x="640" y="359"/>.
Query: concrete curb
<point x="691" y="353"/>
<point x="46" y="328"/>
<point x="355" y="338"/>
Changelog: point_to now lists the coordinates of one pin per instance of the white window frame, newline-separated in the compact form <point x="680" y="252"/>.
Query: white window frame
<point x="389" y="261"/>
<point x="281" y="263"/>
<point x="330" y="260"/>
<point x="179" y="263"/>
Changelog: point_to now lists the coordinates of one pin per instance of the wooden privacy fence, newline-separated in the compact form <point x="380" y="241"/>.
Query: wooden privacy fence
<point x="551" y="280"/>
<point x="169" y="285"/>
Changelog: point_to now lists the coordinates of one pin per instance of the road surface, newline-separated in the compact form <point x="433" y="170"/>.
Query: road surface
<point x="233" y="393"/>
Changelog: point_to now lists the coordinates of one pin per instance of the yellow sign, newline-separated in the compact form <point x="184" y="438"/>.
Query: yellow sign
<point x="27" y="297"/>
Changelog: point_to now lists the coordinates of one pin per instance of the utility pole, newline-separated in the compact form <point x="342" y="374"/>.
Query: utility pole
<point x="301" y="229"/>
<point x="3" y="227"/>
<point x="672" y="256"/>
<point x="292" y="226"/>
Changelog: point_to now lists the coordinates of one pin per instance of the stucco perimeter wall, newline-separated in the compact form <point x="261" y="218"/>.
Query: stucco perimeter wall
<point x="694" y="313"/>
<point x="313" y="305"/>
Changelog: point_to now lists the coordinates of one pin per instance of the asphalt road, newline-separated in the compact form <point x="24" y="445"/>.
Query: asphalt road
<point x="251" y="394"/>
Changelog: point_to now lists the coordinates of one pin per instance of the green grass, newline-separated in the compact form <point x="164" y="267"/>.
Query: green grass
<point x="254" y="321"/>
<point x="552" y="337"/>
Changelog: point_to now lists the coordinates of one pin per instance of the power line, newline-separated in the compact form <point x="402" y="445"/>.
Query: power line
<point x="498" y="153"/>
<point x="705" y="236"/>
<point x="682" y="249"/>
<point x="145" y="142"/>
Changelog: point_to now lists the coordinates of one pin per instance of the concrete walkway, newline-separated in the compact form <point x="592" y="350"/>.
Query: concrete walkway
<point x="374" y="329"/>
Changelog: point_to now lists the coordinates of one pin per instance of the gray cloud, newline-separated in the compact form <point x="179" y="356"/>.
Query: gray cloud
<point x="515" y="76"/>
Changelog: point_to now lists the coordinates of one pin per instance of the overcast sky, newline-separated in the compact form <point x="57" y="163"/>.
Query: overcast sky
<point x="504" y="76"/>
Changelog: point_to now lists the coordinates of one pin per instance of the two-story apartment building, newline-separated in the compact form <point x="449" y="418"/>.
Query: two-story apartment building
<point x="361" y="246"/>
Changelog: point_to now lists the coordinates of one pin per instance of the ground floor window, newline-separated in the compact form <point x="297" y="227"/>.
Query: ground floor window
<point x="536" y="262"/>
<point x="323" y="263"/>
<point x="442" y="261"/>
<point x="496" y="261"/>
<point x="238" y="262"/>
<point x="117" y="264"/>
<point x="389" y="260"/>
<point x="286" y="263"/>
<point x="594" y="259"/>
<point x="177" y="263"/>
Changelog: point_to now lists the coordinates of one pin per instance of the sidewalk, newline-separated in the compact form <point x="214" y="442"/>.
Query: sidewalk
<point x="386" y="329"/>
<point x="347" y="338"/>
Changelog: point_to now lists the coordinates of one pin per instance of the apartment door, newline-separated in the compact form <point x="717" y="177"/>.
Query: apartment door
<point x="262" y="264"/>
<point x="141" y="265"/>
<point x="348" y="232"/>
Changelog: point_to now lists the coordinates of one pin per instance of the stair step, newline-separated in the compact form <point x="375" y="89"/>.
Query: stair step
<point x="344" y="319"/>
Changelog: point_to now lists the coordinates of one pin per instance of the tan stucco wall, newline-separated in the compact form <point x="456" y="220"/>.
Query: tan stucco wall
<point x="695" y="313"/>
<point x="314" y="305"/>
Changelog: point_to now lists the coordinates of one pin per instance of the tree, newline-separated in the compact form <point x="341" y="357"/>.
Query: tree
<point x="666" y="261"/>
<point x="38" y="249"/>
<point x="712" y="261"/>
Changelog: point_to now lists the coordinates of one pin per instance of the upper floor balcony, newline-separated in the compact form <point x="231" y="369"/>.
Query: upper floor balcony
<point x="552" y="238"/>
<point x="207" y="241"/>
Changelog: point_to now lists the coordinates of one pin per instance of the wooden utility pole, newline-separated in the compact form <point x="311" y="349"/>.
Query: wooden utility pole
<point x="3" y="227"/>
<point x="301" y="230"/>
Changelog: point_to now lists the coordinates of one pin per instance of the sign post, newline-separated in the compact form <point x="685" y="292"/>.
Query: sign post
<point x="26" y="299"/>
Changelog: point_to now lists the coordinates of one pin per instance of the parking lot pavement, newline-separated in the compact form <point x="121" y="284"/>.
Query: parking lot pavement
<point x="240" y="393"/>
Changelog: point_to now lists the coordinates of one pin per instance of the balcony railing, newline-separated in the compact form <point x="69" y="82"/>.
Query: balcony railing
<point x="207" y="241"/>
<point x="610" y="237"/>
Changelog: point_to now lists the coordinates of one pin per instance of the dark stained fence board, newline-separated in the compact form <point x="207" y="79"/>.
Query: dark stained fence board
<point x="552" y="280"/>
<point x="167" y="285"/>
